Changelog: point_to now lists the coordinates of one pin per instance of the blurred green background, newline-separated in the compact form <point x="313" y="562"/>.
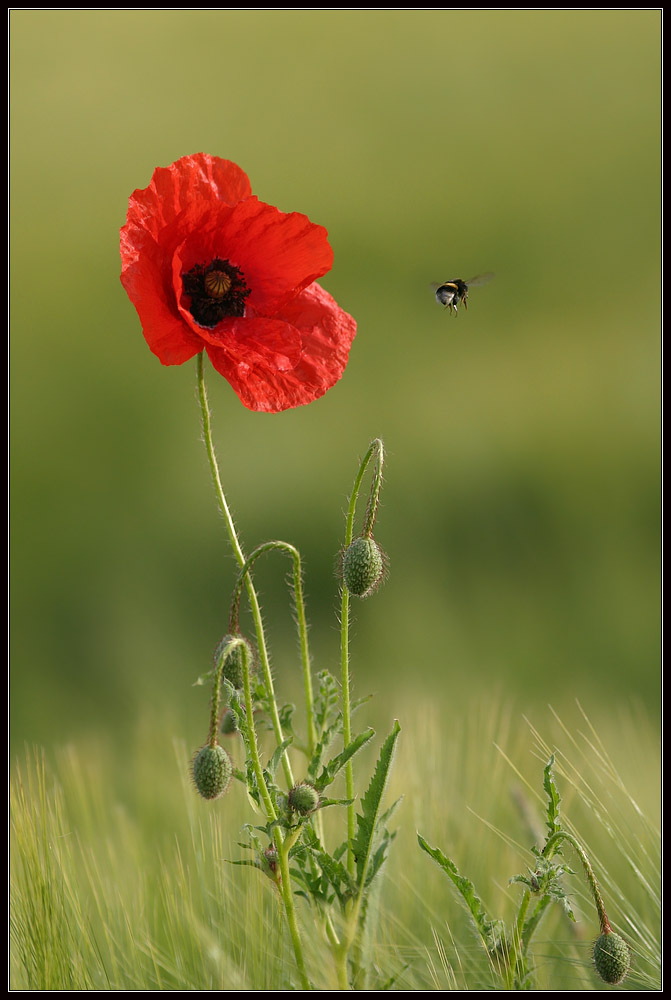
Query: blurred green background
<point x="521" y="510"/>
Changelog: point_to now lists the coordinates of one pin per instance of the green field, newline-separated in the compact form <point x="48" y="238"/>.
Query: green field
<point x="521" y="506"/>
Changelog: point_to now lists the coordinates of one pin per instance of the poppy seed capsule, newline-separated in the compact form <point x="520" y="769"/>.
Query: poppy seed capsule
<point x="611" y="957"/>
<point x="212" y="771"/>
<point x="363" y="567"/>
<point x="303" y="799"/>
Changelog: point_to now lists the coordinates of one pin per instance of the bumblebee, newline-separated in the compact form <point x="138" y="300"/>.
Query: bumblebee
<point x="451" y="293"/>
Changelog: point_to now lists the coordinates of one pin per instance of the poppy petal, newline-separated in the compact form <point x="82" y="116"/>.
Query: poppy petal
<point x="257" y="368"/>
<point x="279" y="254"/>
<point x="144" y="279"/>
<point x="173" y="189"/>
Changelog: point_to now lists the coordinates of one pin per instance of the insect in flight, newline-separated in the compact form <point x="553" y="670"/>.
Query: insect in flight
<point x="451" y="293"/>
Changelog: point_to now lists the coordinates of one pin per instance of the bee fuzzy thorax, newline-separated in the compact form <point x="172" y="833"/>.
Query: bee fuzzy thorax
<point x="455" y="292"/>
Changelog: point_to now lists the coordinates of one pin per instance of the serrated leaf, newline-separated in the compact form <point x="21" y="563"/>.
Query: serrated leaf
<point x="491" y="931"/>
<point x="328" y="734"/>
<point x="532" y="922"/>
<point x="337" y="875"/>
<point x="274" y="761"/>
<point x="323" y="803"/>
<point x="330" y="770"/>
<point x="363" y="843"/>
<point x="286" y="714"/>
<point x="326" y="700"/>
<point x="204" y="679"/>
<point x="358" y="702"/>
<point x="554" y="798"/>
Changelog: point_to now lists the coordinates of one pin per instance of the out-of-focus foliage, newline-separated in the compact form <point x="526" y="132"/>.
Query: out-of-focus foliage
<point x="521" y="506"/>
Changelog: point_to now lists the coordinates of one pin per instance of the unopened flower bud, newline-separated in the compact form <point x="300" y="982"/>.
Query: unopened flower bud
<point x="364" y="567"/>
<point x="232" y="669"/>
<point x="270" y="863"/>
<point x="229" y="722"/>
<point x="303" y="799"/>
<point x="212" y="771"/>
<point x="612" y="957"/>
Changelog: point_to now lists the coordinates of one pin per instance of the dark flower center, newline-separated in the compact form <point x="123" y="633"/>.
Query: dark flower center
<point x="217" y="290"/>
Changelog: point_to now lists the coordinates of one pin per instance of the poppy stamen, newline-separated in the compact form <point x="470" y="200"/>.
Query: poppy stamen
<point x="216" y="290"/>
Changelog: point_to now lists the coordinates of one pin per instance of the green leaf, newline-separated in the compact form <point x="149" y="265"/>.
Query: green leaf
<point x="337" y="875"/>
<point x="204" y="678"/>
<point x="326" y="701"/>
<point x="278" y="754"/>
<point x="323" y="803"/>
<point x="492" y="932"/>
<point x="363" y="844"/>
<point x="330" y="770"/>
<point x="554" y="798"/>
<point x="327" y="736"/>
<point x="531" y="923"/>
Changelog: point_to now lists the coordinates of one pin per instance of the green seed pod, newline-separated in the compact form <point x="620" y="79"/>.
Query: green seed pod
<point x="303" y="799"/>
<point x="612" y="957"/>
<point x="212" y="771"/>
<point x="232" y="668"/>
<point x="364" y="567"/>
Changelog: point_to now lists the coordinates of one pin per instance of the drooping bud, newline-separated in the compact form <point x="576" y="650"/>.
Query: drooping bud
<point x="303" y="799"/>
<point x="364" y="567"/>
<point x="612" y="957"/>
<point x="232" y="669"/>
<point x="212" y="771"/>
<point x="229" y="722"/>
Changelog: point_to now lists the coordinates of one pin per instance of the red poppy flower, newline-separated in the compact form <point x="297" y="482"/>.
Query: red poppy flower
<point x="209" y="266"/>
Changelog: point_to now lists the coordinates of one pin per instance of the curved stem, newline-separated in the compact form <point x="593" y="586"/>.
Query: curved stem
<point x="376" y="447"/>
<point x="300" y="620"/>
<point x="240" y="558"/>
<point x="216" y="692"/>
<point x="548" y="851"/>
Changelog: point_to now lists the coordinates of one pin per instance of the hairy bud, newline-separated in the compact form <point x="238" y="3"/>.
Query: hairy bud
<point x="612" y="957"/>
<point x="303" y="799"/>
<point x="364" y="567"/>
<point x="212" y="771"/>
<point x="232" y="670"/>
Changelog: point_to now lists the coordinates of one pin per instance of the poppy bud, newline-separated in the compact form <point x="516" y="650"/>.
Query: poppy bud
<point x="232" y="669"/>
<point x="212" y="771"/>
<point x="229" y="722"/>
<point x="270" y="863"/>
<point x="363" y="567"/>
<point x="303" y="799"/>
<point x="611" y="957"/>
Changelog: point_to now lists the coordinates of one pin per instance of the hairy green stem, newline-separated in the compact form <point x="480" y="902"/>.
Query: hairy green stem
<point x="252" y="742"/>
<point x="375" y="448"/>
<point x="240" y="558"/>
<point x="283" y="846"/>
<point x="548" y="851"/>
<point x="301" y="622"/>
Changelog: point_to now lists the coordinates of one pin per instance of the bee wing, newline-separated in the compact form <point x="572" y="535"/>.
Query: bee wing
<point x="480" y="279"/>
